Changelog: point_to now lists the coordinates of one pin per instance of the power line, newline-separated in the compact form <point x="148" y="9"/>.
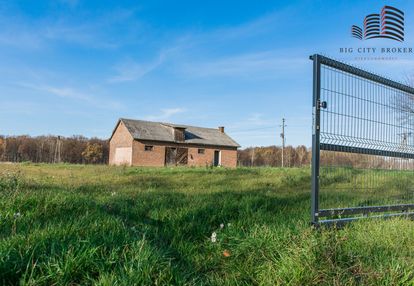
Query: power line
<point x="252" y="129"/>
<point x="267" y="127"/>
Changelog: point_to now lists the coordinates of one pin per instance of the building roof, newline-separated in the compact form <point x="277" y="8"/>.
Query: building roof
<point x="159" y="131"/>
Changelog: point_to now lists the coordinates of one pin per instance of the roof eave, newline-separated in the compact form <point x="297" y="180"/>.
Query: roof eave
<point x="187" y="143"/>
<point x="116" y="126"/>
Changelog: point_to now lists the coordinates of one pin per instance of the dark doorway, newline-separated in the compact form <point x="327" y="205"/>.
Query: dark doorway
<point x="216" y="158"/>
<point x="170" y="154"/>
<point x="176" y="156"/>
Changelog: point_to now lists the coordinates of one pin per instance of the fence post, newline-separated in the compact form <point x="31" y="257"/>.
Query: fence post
<point x="315" y="138"/>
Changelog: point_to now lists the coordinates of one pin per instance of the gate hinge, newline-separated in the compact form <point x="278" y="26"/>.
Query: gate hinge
<point x="322" y="104"/>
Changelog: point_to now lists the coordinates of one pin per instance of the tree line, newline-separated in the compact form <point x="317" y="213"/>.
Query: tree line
<point x="82" y="150"/>
<point x="54" y="149"/>
<point x="271" y="156"/>
<point x="301" y="156"/>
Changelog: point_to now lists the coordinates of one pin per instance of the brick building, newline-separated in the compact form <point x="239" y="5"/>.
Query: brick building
<point x="146" y="143"/>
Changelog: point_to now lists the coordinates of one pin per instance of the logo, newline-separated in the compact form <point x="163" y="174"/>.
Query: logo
<point x="389" y="24"/>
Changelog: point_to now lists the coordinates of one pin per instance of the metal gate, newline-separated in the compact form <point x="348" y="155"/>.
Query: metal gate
<point x="362" y="144"/>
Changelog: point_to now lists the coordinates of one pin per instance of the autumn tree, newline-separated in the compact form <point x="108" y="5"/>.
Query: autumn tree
<point x="2" y="147"/>
<point x="44" y="149"/>
<point x="92" y="153"/>
<point x="272" y="156"/>
<point x="73" y="148"/>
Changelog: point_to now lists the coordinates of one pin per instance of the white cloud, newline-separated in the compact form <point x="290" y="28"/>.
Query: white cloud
<point x="256" y="27"/>
<point x="74" y="94"/>
<point x="259" y="120"/>
<point x="58" y="91"/>
<point x="180" y="54"/>
<point x="165" y="114"/>
<point x="24" y="33"/>
<point x="130" y="71"/>
<point x="263" y="64"/>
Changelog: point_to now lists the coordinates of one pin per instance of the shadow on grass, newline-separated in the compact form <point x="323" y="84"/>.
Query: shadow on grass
<point x="175" y="223"/>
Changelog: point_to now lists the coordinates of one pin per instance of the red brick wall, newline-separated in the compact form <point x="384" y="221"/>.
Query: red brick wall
<point x="154" y="158"/>
<point x="195" y="159"/>
<point x="120" y="138"/>
<point x="228" y="157"/>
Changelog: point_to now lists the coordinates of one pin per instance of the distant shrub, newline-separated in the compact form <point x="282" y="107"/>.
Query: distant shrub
<point x="10" y="181"/>
<point x="296" y="180"/>
<point x="93" y="153"/>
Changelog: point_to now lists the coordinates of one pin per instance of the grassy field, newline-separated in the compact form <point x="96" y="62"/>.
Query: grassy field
<point x="99" y="225"/>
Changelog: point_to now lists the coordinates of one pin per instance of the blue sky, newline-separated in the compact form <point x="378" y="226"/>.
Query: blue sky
<point x="75" y="67"/>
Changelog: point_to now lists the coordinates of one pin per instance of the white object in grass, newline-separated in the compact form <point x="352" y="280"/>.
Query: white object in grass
<point x="214" y="237"/>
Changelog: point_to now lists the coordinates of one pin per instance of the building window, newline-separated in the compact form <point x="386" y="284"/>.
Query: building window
<point x="148" y="147"/>
<point x="201" y="151"/>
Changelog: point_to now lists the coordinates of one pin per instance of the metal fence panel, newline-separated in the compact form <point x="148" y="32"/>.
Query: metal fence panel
<point x="362" y="144"/>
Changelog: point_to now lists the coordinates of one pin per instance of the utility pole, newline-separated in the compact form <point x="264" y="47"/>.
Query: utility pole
<point x="282" y="135"/>
<point x="59" y="148"/>
<point x="5" y="149"/>
<point x="56" y="156"/>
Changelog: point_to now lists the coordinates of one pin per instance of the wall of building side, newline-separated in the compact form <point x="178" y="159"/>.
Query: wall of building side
<point x="229" y="158"/>
<point x="156" y="157"/>
<point x="153" y="158"/>
<point x="120" y="139"/>
<point x="196" y="159"/>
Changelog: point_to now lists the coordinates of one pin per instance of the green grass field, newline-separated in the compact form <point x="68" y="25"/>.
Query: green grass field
<point x="100" y="225"/>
